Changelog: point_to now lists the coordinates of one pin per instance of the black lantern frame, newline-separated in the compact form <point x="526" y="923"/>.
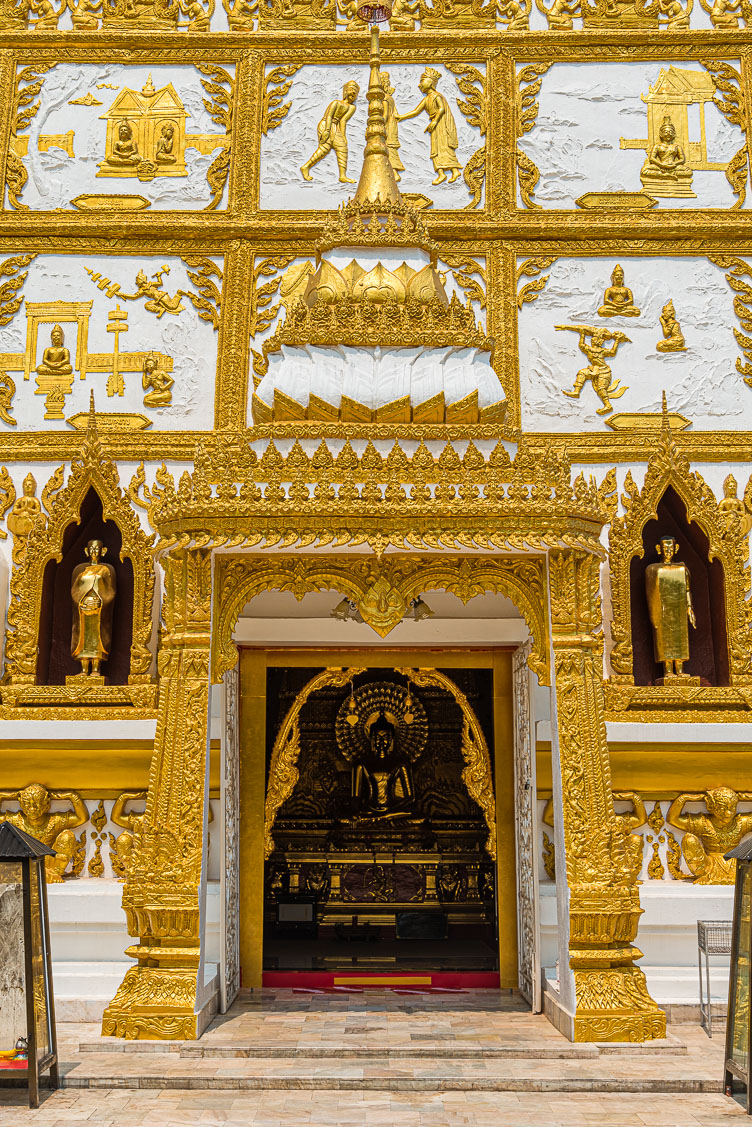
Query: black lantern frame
<point x="22" y="859"/>
<point x="738" y="1024"/>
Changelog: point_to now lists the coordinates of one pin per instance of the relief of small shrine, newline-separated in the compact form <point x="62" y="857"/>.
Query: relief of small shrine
<point x="668" y="101"/>
<point x="145" y="134"/>
<point x="676" y="512"/>
<point x="82" y="588"/>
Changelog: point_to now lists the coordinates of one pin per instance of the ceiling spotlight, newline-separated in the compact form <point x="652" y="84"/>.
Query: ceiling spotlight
<point x="344" y="610"/>
<point x="420" y="610"/>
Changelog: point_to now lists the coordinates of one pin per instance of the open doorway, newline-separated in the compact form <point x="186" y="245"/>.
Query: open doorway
<point x="382" y="850"/>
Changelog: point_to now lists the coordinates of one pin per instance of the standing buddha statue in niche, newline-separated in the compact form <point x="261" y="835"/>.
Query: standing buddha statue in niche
<point x="93" y="588"/>
<point x="52" y="828"/>
<point x="665" y="171"/>
<point x="670" y="607"/>
<point x="617" y="299"/>
<point x="56" y="357"/>
<point x="382" y="783"/>
<point x="441" y="126"/>
<point x="707" y="837"/>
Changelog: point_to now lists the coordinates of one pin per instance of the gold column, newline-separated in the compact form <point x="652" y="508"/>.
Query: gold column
<point x="506" y="869"/>
<point x="158" y="997"/>
<point x="252" y="797"/>
<point x="611" y="997"/>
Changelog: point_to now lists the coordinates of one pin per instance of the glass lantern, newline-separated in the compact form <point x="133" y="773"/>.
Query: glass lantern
<point x="738" y="1025"/>
<point x="28" y="1045"/>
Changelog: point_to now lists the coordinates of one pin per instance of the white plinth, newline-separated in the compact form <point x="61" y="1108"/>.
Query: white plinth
<point x="89" y="937"/>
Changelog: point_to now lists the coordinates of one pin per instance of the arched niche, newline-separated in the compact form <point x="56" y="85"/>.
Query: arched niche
<point x="89" y="505"/>
<point x="675" y="500"/>
<point x="708" y="641"/>
<point x="54" y="660"/>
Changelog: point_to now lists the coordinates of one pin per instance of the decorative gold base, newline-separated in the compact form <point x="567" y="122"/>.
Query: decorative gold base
<point x="678" y="701"/>
<point x="82" y="679"/>
<point x="79" y="692"/>
<point x="154" y="1003"/>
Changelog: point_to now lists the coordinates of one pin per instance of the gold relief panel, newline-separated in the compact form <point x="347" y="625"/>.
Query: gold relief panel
<point x="436" y="117"/>
<point x="632" y="136"/>
<point x="138" y="332"/>
<point x="601" y="338"/>
<point x="121" y="139"/>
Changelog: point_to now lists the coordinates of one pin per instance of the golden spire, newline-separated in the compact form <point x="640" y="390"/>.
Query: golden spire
<point x="377" y="179"/>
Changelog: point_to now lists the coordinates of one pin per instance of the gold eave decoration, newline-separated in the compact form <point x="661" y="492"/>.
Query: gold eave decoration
<point x="365" y="324"/>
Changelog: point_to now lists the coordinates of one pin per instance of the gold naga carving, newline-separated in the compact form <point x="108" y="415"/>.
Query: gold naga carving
<point x="612" y="999"/>
<point x="724" y="526"/>
<point x="381" y="589"/>
<point x="52" y="828"/>
<point x="476" y="774"/>
<point x="283" y="772"/>
<point x="38" y="531"/>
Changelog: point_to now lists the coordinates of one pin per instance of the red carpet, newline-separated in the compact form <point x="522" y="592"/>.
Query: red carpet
<point x="384" y="980"/>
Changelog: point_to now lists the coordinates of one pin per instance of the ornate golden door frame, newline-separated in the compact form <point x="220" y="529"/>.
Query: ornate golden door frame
<point x="258" y="803"/>
<point x="603" y="994"/>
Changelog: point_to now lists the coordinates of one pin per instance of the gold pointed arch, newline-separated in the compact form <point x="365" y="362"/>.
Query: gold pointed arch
<point x="283" y="768"/>
<point x="381" y="589"/>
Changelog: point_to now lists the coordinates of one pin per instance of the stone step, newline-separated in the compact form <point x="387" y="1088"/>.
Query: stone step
<point x="460" y="1048"/>
<point x="331" y="1082"/>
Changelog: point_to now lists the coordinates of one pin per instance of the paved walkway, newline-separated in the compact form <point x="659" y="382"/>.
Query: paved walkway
<point x="379" y="1059"/>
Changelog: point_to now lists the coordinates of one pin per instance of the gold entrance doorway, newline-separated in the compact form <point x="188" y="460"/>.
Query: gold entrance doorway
<point x="377" y="814"/>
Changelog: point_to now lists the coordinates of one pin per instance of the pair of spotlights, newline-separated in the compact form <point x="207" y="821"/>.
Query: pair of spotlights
<point x="346" y="609"/>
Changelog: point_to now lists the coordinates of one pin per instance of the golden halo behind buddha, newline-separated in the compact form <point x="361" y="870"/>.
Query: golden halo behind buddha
<point x="369" y="702"/>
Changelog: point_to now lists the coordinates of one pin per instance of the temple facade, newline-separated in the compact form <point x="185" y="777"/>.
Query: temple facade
<point x="375" y="497"/>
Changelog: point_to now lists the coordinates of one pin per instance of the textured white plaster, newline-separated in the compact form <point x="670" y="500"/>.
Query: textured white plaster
<point x="191" y="342"/>
<point x="286" y="148"/>
<point x="701" y="383"/>
<point x="586" y="108"/>
<point x="55" y="179"/>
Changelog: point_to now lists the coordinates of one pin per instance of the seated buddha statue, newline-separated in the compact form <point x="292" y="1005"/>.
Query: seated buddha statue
<point x="125" y="149"/>
<point x="382" y="784"/>
<point x="56" y="357"/>
<point x="665" y="171"/>
<point x="165" y="145"/>
<point x="617" y="299"/>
